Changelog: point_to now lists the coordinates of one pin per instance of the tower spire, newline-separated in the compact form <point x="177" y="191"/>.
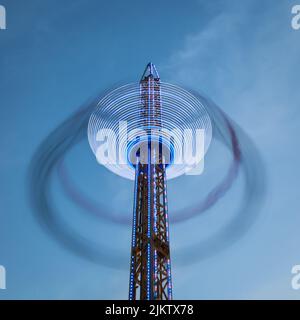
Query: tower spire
<point x="150" y="71"/>
<point x="150" y="264"/>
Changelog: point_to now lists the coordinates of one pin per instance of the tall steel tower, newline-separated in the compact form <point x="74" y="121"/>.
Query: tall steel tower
<point x="150" y="266"/>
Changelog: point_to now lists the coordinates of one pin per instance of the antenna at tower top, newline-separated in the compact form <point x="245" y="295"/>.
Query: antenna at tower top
<point x="150" y="71"/>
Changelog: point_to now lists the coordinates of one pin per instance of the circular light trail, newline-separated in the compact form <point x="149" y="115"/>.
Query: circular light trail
<point x="181" y="111"/>
<point x="49" y="156"/>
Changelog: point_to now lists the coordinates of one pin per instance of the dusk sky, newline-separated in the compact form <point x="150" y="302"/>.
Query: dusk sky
<point x="243" y="55"/>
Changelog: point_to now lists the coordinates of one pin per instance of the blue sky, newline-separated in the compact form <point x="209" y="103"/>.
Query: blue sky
<point x="55" y="55"/>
